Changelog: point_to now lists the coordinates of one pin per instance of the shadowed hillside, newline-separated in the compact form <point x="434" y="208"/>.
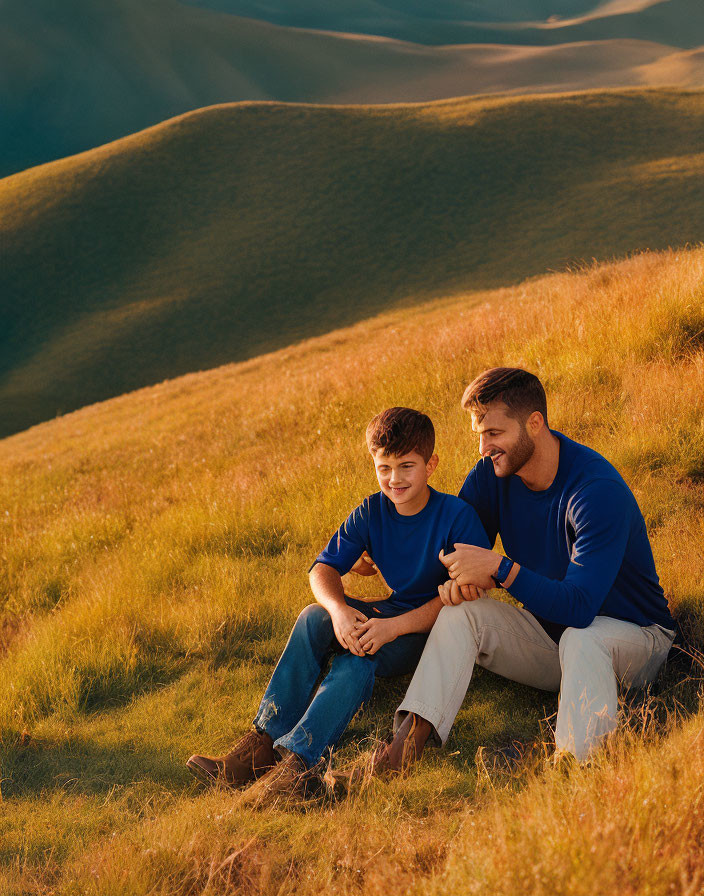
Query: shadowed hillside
<point x="240" y="229"/>
<point x="535" y="22"/>
<point x="154" y="555"/>
<point x="369" y="16"/>
<point x="79" y="73"/>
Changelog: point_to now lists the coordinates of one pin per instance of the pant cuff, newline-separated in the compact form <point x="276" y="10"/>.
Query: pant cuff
<point x="438" y="736"/>
<point x="286" y="744"/>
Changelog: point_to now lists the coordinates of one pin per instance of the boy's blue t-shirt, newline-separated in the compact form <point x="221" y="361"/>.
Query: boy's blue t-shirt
<point x="581" y="543"/>
<point x="404" y="548"/>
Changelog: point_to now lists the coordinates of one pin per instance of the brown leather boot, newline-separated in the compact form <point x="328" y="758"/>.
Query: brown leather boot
<point x="251" y="757"/>
<point x="388" y="759"/>
<point x="289" y="780"/>
<point x="406" y="747"/>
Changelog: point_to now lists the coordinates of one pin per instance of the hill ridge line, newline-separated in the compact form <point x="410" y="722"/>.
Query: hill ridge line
<point x="484" y="100"/>
<point x="240" y="228"/>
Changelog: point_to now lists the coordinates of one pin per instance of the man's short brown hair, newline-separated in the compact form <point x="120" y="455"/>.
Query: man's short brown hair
<point x="520" y="391"/>
<point x="401" y="430"/>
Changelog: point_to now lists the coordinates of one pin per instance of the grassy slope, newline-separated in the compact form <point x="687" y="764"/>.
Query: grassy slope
<point x="239" y="229"/>
<point x="77" y="74"/>
<point x="154" y="553"/>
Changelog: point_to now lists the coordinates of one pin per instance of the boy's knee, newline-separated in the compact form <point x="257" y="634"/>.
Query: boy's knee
<point x="360" y="669"/>
<point x="312" y="613"/>
<point x="361" y="665"/>
<point x="315" y="621"/>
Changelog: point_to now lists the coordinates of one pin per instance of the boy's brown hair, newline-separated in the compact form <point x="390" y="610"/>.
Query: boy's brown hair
<point x="520" y="391"/>
<point x="401" y="430"/>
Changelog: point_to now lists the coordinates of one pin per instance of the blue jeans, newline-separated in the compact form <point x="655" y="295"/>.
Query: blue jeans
<point x="307" y="721"/>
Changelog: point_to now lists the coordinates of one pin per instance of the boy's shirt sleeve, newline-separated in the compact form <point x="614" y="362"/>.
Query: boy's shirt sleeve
<point x="596" y="558"/>
<point x="477" y="492"/>
<point x="467" y="529"/>
<point x="348" y="543"/>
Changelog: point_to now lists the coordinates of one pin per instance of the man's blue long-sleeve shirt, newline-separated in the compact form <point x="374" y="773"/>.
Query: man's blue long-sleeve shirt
<point x="581" y="543"/>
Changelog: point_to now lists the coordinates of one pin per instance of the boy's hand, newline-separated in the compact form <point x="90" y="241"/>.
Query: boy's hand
<point x="347" y="625"/>
<point x="470" y="565"/>
<point x="374" y="633"/>
<point x="452" y="594"/>
<point x="364" y="566"/>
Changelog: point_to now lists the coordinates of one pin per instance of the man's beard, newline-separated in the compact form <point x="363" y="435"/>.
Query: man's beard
<point x="519" y="454"/>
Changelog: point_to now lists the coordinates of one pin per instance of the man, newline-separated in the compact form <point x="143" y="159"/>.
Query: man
<point x="576" y="556"/>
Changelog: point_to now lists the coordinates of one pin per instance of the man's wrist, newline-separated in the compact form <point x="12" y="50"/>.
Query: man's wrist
<point x="503" y="571"/>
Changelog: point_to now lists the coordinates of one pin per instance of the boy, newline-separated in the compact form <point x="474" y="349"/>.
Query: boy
<point x="404" y="527"/>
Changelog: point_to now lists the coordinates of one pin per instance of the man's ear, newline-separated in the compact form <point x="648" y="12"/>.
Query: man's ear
<point x="431" y="465"/>
<point x="535" y="423"/>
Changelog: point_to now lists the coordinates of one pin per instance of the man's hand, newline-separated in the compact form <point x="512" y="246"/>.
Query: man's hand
<point x="452" y="594"/>
<point x="374" y="633"/>
<point x="346" y="623"/>
<point x="364" y="566"/>
<point x="470" y="565"/>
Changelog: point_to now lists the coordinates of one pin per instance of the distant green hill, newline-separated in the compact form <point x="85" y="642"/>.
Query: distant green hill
<point x="79" y="73"/>
<point x="678" y="23"/>
<point x="372" y="17"/>
<point x="238" y="229"/>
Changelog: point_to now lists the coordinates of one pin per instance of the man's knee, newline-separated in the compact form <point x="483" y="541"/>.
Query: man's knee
<point x="582" y="643"/>
<point x="476" y="614"/>
<point x="478" y="611"/>
<point x="466" y="622"/>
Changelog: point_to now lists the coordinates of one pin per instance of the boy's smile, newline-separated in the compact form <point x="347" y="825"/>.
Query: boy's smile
<point x="404" y="479"/>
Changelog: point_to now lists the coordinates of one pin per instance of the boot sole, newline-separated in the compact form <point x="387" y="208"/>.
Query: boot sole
<point x="202" y="774"/>
<point x="210" y="780"/>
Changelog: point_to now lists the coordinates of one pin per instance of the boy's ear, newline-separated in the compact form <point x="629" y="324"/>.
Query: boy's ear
<point x="431" y="465"/>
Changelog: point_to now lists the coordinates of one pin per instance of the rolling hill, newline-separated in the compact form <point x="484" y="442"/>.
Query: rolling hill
<point x="80" y="73"/>
<point x="370" y="16"/>
<point x="526" y="22"/>
<point x="154" y="554"/>
<point x="238" y="229"/>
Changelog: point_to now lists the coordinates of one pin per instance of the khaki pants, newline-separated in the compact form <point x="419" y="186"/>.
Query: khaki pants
<point x="586" y="667"/>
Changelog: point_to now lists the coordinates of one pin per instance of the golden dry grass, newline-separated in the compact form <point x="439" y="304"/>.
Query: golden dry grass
<point x="154" y="553"/>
